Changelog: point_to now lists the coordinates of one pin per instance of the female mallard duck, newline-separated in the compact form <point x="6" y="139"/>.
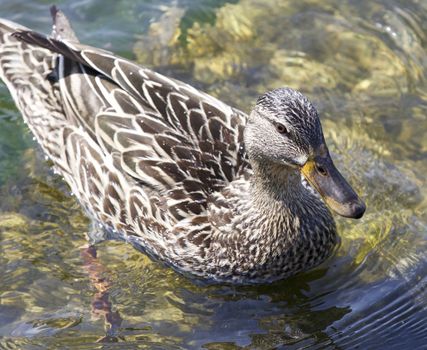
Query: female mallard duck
<point x="173" y="171"/>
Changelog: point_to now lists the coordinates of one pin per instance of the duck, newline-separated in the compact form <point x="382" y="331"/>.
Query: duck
<point x="203" y="187"/>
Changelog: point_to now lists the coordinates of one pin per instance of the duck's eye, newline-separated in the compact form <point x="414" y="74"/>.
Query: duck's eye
<point x="281" y="128"/>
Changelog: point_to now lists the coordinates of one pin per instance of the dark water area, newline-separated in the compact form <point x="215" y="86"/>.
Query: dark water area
<point x="363" y="63"/>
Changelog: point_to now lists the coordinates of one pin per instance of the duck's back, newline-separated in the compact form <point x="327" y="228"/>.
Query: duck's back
<point x="141" y="151"/>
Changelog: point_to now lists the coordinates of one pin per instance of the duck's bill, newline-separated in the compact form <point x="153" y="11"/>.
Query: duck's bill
<point x="322" y="174"/>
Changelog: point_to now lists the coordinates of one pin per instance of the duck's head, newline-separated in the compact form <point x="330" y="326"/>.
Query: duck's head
<point x="284" y="130"/>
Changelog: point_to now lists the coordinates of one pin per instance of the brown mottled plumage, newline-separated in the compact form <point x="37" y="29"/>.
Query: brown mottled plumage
<point x="171" y="170"/>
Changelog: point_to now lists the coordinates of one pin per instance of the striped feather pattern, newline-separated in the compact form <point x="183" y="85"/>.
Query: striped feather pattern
<point x="157" y="162"/>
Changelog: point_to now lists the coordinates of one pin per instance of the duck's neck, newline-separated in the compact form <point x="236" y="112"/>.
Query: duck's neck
<point x="271" y="182"/>
<point x="290" y="212"/>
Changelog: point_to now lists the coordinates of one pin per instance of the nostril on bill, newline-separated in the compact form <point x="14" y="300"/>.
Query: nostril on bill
<point x="321" y="170"/>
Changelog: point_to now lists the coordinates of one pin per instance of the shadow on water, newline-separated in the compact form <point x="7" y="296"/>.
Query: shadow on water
<point x="363" y="62"/>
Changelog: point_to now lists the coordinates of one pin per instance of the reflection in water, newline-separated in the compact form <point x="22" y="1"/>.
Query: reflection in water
<point x="197" y="315"/>
<point x="365" y="64"/>
<point x="101" y="305"/>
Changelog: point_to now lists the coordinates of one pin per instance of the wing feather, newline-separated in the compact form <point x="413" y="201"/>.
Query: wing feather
<point x="166" y="135"/>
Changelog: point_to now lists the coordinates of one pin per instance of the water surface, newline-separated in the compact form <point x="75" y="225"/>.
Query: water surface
<point x="364" y="63"/>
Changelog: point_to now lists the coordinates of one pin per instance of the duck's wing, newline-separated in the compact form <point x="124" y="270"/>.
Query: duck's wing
<point x="168" y="135"/>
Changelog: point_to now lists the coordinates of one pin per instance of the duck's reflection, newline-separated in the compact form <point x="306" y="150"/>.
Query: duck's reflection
<point x="264" y="316"/>
<point x="101" y="305"/>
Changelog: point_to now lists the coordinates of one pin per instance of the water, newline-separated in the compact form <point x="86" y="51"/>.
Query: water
<point x="364" y="63"/>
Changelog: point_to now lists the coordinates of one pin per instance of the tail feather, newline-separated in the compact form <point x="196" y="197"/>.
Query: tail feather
<point x="61" y="29"/>
<point x="26" y="70"/>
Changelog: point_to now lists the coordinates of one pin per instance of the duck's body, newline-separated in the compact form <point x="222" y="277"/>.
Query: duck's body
<point x="163" y="165"/>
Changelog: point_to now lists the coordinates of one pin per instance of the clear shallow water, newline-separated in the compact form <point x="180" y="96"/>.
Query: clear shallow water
<point x="364" y="63"/>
